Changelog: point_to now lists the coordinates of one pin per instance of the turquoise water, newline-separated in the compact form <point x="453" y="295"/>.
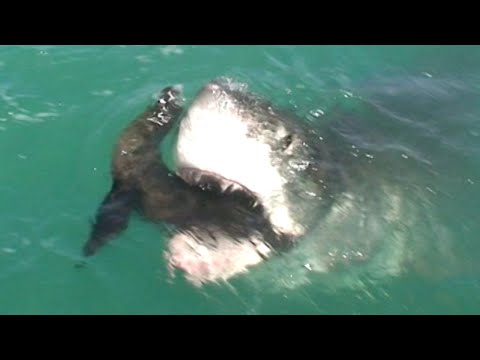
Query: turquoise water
<point x="62" y="108"/>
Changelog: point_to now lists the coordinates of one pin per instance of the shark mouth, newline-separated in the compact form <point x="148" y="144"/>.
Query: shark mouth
<point x="212" y="181"/>
<point x="277" y="208"/>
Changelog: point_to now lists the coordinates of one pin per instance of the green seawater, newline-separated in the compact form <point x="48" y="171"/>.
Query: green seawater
<point x="63" y="107"/>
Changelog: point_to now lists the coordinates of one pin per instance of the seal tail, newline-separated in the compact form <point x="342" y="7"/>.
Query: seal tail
<point x="111" y="218"/>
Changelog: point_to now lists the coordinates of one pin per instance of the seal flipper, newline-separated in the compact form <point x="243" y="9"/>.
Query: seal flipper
<point x="112" y="217"/>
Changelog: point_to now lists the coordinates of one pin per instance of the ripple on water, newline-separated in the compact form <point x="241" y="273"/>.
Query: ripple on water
<point x="105" y="92"/>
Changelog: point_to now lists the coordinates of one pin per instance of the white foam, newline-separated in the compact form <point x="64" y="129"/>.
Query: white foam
<point x="201" y="264"/>
<point x="46" y="114"/>
<point x="25" y="117"/>
<point x="171" y="49"/>
<point x="105" y="92"/>
<point x="143" y="59"/>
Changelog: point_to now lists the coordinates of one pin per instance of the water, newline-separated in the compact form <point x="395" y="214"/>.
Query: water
<point x="62" y="107"/>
